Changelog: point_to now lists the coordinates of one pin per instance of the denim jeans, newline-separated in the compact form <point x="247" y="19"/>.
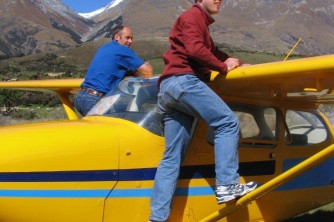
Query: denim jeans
<point x="84" y="102"/>
<point x="181" y="99"/>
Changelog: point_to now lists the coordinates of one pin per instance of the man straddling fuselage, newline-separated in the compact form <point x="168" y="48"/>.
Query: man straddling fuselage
<point x="111" y="63"/>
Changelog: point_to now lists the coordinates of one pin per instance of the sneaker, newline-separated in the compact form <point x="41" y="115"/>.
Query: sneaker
<point x="230" y="192"/>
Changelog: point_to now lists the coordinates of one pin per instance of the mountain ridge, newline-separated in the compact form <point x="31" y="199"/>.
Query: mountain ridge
<point x="34" y="26"/>
<point x="97" y="12"/>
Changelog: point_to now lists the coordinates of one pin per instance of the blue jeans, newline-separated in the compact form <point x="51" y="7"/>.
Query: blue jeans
<point x="84" y="102"/>
<point x="181" y="99"/>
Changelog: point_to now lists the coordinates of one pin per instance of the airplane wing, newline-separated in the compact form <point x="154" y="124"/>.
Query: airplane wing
<point x="300" y="80"/>
<point x="308" y="79"/>
<point x="63" y="87"/>
<point x="50" y="85"/>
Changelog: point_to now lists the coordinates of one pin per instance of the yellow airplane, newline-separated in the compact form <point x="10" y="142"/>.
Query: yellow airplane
<point x="101" y="167"/>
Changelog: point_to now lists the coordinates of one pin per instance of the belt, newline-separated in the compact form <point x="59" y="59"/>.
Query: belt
<point x="92" y="92"/>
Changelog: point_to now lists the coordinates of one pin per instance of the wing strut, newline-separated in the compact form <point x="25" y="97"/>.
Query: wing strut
<point x="293" y="48"/>
<point x="273" y="184"/>
<point x="68" y="107"/>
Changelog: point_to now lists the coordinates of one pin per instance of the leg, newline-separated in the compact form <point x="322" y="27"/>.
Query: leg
<point x="198" y="99"/>
<point x="190" y="95"/>
<point x="177" y="132"/>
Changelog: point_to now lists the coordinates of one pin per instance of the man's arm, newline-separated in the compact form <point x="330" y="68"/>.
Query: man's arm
<point x="230" y="62"/>
<point x="146" y="70"/>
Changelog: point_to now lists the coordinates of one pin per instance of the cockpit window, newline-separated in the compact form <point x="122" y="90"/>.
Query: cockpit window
<point x="305" y="128"/>
<point x="135" y="99"/>
<point x="258" y="125"/>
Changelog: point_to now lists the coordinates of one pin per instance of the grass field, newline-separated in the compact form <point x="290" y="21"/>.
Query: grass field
<point x="322" y="214"/>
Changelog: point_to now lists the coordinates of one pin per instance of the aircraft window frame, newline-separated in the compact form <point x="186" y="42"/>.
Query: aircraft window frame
<point x="135" y="100"/>
<point x="327" y="110"/>
<point x="303" y="126"/>
<point x="257" y="114"/>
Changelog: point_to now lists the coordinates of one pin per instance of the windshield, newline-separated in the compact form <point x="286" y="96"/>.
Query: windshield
<point x="134" y="99"/>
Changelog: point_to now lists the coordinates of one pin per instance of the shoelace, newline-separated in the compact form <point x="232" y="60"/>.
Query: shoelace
<point x="238" y="187"/>
<point x="232" y="187"/>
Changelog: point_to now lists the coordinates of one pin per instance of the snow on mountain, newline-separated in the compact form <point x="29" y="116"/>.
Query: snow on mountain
<point x="90" y="15"/>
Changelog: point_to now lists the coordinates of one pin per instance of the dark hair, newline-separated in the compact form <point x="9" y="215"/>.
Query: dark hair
<point x="116" y="31"/>
<point x="195" y="1"/>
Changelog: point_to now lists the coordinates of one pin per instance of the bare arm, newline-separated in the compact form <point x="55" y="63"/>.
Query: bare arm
<point x="146" y="70"/>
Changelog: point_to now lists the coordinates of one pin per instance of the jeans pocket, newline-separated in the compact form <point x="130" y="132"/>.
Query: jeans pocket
<point x="172" y="96"/>
<point x="175" y="88"/>
<point x="84" y="102"/>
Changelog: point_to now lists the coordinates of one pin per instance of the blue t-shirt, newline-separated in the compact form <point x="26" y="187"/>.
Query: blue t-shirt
<point x="109" y="66"/>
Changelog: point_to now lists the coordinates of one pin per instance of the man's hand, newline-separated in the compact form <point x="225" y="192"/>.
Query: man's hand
<point x="146" y="70"/>
<point x="232" y="63"/>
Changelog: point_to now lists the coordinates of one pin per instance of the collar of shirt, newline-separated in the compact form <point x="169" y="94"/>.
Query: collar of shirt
<point x="208" y="18"/>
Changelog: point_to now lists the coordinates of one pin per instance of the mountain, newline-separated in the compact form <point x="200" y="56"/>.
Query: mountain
<point x="261" y="25"/>
<point x="33" y="26"/>
<point x="102" y="10"/>
<point x="275" y="25"/>
<point x="106" y="19"/>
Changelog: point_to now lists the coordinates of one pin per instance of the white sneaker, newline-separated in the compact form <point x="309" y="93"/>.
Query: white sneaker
<point x="232" y="191"/>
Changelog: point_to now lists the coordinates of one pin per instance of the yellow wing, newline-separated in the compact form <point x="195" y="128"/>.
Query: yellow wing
<point x="54" y="85"/>
<point x="63" y="87"/>
<point x="308" y="79"/>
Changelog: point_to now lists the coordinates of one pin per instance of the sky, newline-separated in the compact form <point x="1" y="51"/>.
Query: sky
<point x="84" y="6"/>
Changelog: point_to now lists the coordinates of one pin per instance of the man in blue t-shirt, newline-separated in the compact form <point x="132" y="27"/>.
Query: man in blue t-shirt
<point x="111" y="63"/>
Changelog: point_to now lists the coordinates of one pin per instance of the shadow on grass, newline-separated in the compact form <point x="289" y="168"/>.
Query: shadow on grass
<point x="318" y="216"/>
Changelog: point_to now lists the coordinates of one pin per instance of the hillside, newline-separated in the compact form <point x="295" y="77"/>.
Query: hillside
<point x="40" y="26"/>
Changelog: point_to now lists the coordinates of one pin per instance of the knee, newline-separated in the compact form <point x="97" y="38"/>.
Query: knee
<point x="230" y="126"/>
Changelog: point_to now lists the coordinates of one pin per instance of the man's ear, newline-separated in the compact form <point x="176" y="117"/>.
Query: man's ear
<point x="117" y="37"/>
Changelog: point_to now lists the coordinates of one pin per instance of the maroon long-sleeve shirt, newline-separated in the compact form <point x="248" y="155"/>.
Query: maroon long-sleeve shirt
<point x="192" y="49"/>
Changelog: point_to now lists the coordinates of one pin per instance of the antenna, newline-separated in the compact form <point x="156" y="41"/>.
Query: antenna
<point x="292" y="49"/>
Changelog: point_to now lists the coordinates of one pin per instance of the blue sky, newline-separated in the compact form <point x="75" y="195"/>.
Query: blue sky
<point x="84" y="6"/>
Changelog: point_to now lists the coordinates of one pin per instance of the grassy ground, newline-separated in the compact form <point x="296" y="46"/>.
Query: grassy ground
<point x="322" y="214"/>
<point x="28" y="115"/>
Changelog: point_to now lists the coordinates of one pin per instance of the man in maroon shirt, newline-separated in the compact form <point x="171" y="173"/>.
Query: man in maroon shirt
<point x="184" y="96"/>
